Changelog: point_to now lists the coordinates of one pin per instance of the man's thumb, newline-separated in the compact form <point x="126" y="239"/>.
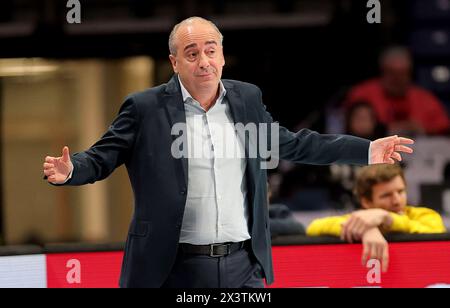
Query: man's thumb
<point x="66" y="156"/>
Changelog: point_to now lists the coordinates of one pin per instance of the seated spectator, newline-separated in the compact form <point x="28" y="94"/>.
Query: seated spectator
<point x="381" y="190"/>
<point x="281" y="219"/>
<point x="403" y="107"/>
<point x="362" y="121"/>
<point x="283" y="222"/>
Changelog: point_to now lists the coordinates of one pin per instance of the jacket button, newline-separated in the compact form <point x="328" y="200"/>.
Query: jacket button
<point x="183" y="192"/>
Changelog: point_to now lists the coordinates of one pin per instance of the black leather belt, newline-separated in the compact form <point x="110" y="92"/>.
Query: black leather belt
<point x="213" y="250"/>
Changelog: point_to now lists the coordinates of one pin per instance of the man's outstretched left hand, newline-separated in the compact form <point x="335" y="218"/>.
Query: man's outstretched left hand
<point x="387" y="150"/>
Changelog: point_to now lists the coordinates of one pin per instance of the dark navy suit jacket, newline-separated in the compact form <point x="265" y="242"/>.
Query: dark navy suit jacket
<point x="140" y="137"/>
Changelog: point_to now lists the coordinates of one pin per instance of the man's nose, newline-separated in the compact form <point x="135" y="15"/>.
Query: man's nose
<point x="396" y="198"/>
<point x="203" y="61"/>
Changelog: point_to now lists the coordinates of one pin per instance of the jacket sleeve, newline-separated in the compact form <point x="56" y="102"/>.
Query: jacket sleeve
<point x="331" y="226"/>
<point x="310" y="147"/>
<point x="108" y="153"/>
<point x="419" y="220"/>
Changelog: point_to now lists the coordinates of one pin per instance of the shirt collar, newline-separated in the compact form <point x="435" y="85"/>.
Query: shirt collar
<point x="188" y="97"/>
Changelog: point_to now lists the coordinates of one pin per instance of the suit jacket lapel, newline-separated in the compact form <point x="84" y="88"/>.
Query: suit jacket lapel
<point x="239" y="113"/>
<point x="237" y="107"/>
<point x="174" y="106"/>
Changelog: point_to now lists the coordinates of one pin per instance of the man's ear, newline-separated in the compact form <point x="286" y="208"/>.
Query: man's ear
<point x="365" y="203"/>
<point x="224" y="62"/>
<point x="173" y="61"/>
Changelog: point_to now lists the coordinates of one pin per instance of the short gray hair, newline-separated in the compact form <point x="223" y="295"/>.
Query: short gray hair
<point x="172" y="45"/>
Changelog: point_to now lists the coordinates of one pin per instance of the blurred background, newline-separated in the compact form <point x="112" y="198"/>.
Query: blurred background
<point x="317" y="62"/>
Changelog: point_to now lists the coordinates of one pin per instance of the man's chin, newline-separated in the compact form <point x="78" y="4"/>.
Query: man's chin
<point x="208" y="82"/>
<point x="398" y="210"/>
<point x="207" y="78"/>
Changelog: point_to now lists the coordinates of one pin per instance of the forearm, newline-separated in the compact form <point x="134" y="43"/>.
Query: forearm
<point x="331" y="226"/>
<point x="110" y="151"/>
<point x="428" y="224"/>
<point x="310" y="147"/>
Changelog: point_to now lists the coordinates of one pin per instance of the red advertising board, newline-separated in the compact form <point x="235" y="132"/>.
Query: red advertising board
<point x="84" y="270"/>
<point x="419" y="265"/>
<point x="412" y="265"/>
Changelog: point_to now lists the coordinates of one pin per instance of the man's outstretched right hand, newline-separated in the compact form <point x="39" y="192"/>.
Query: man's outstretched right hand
<point x="57" y="169"/>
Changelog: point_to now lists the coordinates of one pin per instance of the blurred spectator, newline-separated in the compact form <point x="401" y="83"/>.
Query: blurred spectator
<point x="362" y="121"/>
<point x="405" y="108"/>
<point x="304" y="187"/>
<point x="381" y="190"/>
<point x="282" y="221"/>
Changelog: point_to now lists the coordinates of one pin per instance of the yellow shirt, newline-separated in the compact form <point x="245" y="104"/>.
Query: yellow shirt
<point x="415" y="220"/>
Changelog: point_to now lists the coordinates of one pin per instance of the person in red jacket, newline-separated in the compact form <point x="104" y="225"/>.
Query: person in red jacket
<point x="399" y="104"/>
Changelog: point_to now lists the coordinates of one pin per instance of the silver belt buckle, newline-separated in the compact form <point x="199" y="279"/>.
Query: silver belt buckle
<point x="211" y="250"/>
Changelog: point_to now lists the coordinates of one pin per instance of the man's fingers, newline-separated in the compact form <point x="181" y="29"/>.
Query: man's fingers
<point x="48" y="166"/>
<point x="387" y="156"/>
<point x="65" y="154"/>
<point x="349" y="230"/>
<point x="345" y="232"/>
<point x="348" y="235"/>
<point x="373" y="252"/>
<point x="359" y="230"/>
<point x="365" y="254"/>
<point x="380" y="251"/>
<point x="405" y="149"/>
<point x="50" y="159"/>
<point x="385" y="260"/>
<point x="49" y="172"/>
<point x="397" y="156"/>
<point x="344" y="229"/>
<point x="403" y="140"/>
<point x="356" y="230"/>
<point x="390" y="138"/>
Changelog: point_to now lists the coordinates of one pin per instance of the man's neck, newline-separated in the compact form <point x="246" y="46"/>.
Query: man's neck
<point x="206" y="97"/>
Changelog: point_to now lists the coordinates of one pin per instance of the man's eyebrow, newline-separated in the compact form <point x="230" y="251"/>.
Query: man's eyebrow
<point x="195" y="44"/>
<point x="190" y="46"/>
<point x="211" y="43"/>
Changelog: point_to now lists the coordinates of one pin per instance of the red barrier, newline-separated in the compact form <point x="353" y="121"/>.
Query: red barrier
<point x="412" y="265"/>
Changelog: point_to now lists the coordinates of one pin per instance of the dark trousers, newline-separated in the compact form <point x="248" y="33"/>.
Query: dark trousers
<point x="237" y="270"/>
